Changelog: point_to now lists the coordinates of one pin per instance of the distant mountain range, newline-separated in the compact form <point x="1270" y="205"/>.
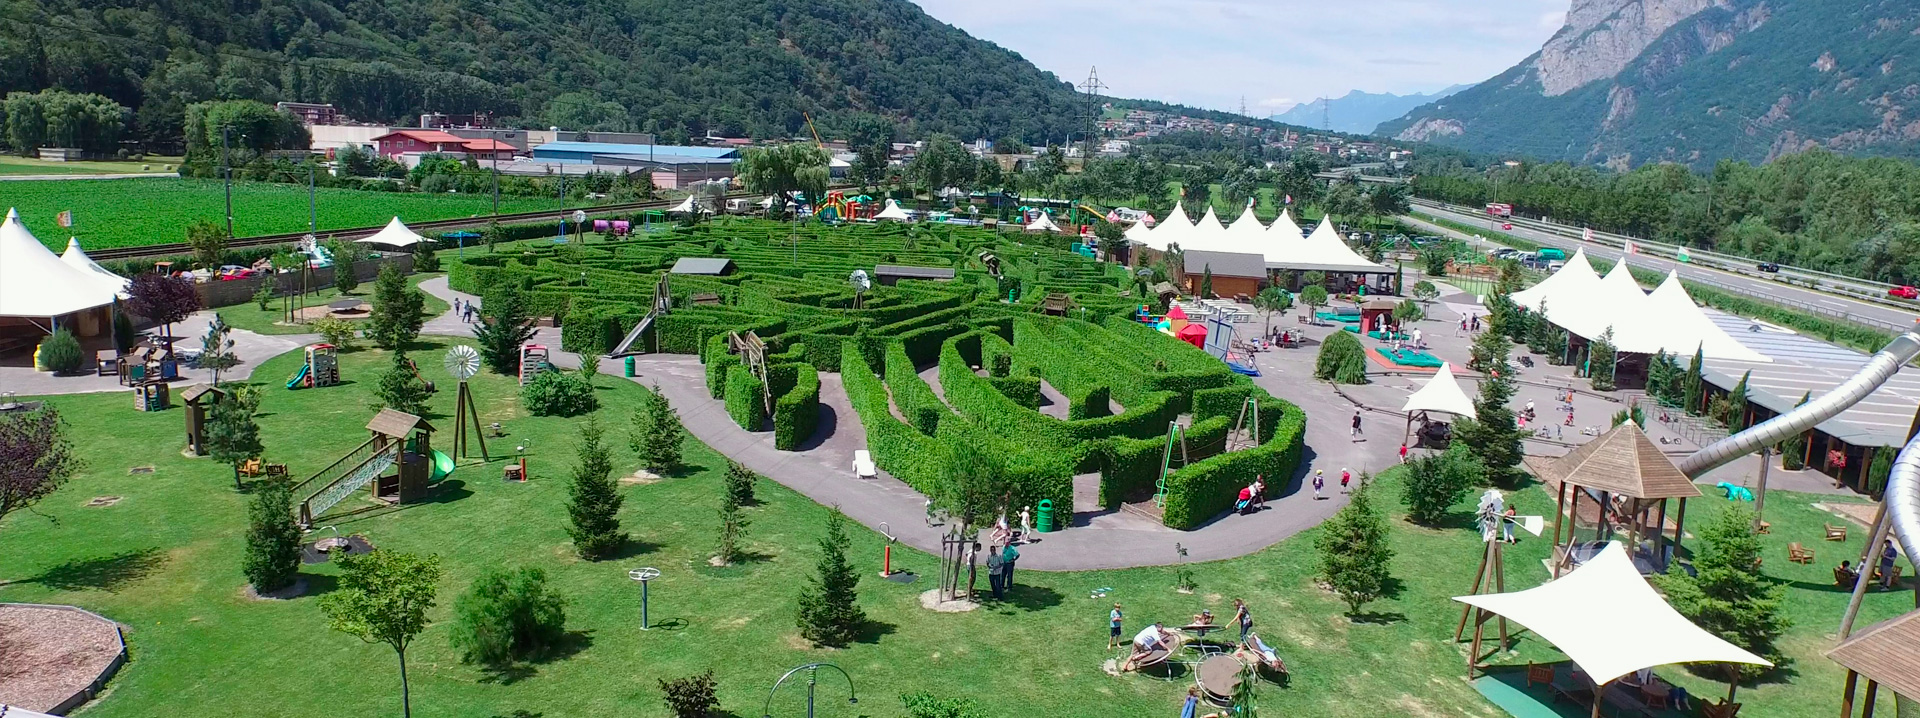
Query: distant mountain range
<point x="1627" y="82"/>
<point x="1358" y="112"/>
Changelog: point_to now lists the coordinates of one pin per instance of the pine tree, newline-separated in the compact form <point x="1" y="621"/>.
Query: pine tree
<point x="657" y="433"/>
<point x="1690" y="385"/>
<point x="233" y="438"/>
<point x="1489" y="353"/>
<point x="740" y="480"/>
<point x="829" y="614"/>
<point x="1734" y="406"/>
<point x="733" y="526"/>
<point x="1793" y="451"/>
<point x="273" y="538"/>
<point x="1354" y="554"/>
<point x="1206" y="281"/>
<point x="593" y="500"/>
<point x="505" y="323"/>
<point x="1727" y="595"/>
<point x="1492" y="434"/>
<point x="401" y="387"/>
<point x="345" y="254"/>
<point x="398" y="310"/>
<point x="1600" y="360"/>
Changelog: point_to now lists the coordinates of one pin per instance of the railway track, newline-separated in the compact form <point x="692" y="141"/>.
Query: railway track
<point x="176" y="248"/>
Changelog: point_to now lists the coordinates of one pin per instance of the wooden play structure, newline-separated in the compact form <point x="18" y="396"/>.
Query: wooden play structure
<point x="151" y="395"/>
<point x="533" y="361"/>
<point x="199" y="400"/>
<point x="662" y="301"/>
<point x="321" y="369"/>
<point x="398" y="439"/>
<point x="153" y="361"/>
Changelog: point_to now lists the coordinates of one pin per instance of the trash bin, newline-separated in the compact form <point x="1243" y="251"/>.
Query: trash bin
<point x="629" y="367"/>
<point x="1044" y="523"/>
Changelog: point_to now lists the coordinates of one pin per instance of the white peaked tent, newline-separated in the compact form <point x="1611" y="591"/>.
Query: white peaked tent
<point x="79" y="260"/>
<point x="395" y="234"/>
<point x="1575" y="283"/>
<point x="686" y="206"/>
<point x="1606" y="618"/>
<point x="1322" y="250"/>
<point x="1209" y="225"/>
<point x="1670" y="304"/>
<point x="1139" y="233"/>
<point x="1247" y="226"/>
<point x="1043" y="223"/>
<point x="1173" y="229"/>
<point x="1284" y="228"/>
<point x="1441" y="393"/>
<point x="35" y="283"/>
<point x="893" y="212"/>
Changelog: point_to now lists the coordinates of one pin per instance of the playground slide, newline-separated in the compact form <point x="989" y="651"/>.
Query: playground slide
<point x="442" y="465"/>
<point x="321" y="257"/>
<point x="299" y="376"/>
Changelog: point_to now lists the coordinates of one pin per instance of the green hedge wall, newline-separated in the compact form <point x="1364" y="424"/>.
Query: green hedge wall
<point x="916" y="400"/>
<point x="1129" y="467"/>
<point x="1091" y="405"/>
<point x="1197" y="493"/>
<point x="744" y="400"/>
<point x="897" y="448"/>
<point x="1023" y="390"/>
<point x="797" y="412"/>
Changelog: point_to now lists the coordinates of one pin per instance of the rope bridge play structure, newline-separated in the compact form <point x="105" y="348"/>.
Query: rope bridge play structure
<point x="397" y="438"/>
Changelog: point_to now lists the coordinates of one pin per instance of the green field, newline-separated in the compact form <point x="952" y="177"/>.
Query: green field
<point x="138" y="212"/>
<point x="164" y="561"/>
<point x="12" y="165"/>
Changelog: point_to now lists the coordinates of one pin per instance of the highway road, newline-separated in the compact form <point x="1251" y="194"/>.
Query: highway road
<point x="1837" y="307"/>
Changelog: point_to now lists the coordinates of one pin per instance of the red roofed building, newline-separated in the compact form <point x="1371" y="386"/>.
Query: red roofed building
<point x="394" y="144"/>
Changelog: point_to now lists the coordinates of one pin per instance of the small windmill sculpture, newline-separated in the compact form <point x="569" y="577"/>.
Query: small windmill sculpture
<point x="1495" y="532"/>
<point x="861" y="283"/>
<point x="463" y="362"/>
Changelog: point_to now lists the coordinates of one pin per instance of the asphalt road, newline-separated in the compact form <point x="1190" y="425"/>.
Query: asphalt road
<point x="1836" y="306"/>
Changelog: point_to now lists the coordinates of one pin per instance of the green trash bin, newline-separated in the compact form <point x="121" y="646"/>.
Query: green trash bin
<point x="1044" y="522"/>
<point x="629" y="367"/>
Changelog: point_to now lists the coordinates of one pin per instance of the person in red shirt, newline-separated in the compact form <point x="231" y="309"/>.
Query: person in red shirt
<point x="1345" y="476"/>
<point x="1403" y="453"/>
<point x="1246" y="499"/>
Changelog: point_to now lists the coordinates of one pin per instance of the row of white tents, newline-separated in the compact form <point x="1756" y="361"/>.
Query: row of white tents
<point x="1282" y="244"/>
<point x="1577" y="299"/>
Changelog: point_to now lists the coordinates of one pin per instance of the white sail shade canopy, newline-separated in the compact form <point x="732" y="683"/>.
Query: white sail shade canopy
<point x="395" y="234"/>
<point x="78" y="259"/>
<point x="893" y="212"/>
<point x="1607" y="619"/>
<point x="35" y="283"/>
<point x="1441" y="393"/>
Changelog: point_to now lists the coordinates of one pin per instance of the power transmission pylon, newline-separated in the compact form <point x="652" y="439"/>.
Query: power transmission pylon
<point x="1091" y="88"/>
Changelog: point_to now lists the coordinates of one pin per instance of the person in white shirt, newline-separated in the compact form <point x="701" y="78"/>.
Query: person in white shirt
<point x="1148" y="640"/>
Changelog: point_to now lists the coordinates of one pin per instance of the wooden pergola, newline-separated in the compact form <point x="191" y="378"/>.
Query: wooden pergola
<point x="1887" y="654"/>
<point x="1622" y="464"/>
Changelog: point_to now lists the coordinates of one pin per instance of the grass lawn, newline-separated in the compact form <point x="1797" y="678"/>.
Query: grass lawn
<point x="249" y="316"/>
<point x="165" y="562"/>
<point x="143" y="211"/>
<point x="15" y="165"/>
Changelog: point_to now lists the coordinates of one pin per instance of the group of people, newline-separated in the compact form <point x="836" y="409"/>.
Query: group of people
<point x="1848" y="575"/>
<point x="466" y="310"/>
<point x="1346" y="478"/>
<point x="1252" y="497"/>
<point x="1156" y="638"/>
<point x="1470" y="323"/>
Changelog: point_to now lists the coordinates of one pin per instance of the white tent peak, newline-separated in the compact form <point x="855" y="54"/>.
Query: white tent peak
<point x="395" y="234"/>
<point x="35" y="283"/>
<point x="1607" y="619"/>
<point x="78" y="259"/>
<point x="893" y="212"/>
<point x="1248" y="224"/>
<point x="1441" y="393"/>
<point x="1209" y="222"/>
<point x="1043" y="223"/>
<point x="1285" y="226"/>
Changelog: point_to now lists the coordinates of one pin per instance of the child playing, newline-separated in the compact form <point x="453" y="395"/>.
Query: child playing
<point x="1113" y="627"/>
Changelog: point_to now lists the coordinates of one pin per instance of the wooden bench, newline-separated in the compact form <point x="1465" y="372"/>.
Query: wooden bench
<point x="1799" y="554"/>
<point x="1539" y="673"/>
<point x="1845" y="577"/>
<point x="1836" y="533"/>
<point x="1722" y="709"/>
<point x="1890" y="580"/>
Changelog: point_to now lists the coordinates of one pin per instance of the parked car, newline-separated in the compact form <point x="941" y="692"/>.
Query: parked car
<point x="1904" y="292"/>
<point x="230" y="272"/>
<point x="1768" y="267"/>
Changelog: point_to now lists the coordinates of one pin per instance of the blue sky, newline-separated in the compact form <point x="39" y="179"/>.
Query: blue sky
<point x="1210" y="53"/>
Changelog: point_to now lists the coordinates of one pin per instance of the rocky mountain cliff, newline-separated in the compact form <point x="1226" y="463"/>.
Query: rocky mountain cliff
<point x="1627" y="82"/>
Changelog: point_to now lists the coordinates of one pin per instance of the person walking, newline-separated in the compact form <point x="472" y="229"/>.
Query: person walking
<point x="456" y="307"/>
<point x="995" y="581"/>
<point x="1008" y="556"/>
<point x="1242" y="617"/>
<point x="1345" y="478"/>
<point x="1114" y="633"/>
<point x="1888" y="554"/>
<point x="1354" y="432"/>
<point x="1259" y="490"/>
<point x="1403" y="453"/>
<point x="1319" y="481"/>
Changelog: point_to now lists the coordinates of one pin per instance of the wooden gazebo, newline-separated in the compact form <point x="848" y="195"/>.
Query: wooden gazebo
<point x="1633" y="477"/>
<point x="1886" y="654"/>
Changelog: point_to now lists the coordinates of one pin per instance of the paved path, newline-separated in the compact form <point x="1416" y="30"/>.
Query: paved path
<point x="18" y="375"/>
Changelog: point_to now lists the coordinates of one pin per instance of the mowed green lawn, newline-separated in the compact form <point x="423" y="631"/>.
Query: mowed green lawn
<point x="157" y="210"/>
<point x="272" y="320"/>
<point x="14" y="165"/>
<point x="165" y="562"/>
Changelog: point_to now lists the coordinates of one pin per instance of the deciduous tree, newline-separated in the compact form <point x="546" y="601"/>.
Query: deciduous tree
<point x="383" y="598"/>
<point x="35" y="458"/>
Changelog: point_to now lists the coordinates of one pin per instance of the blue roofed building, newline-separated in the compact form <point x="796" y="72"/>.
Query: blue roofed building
<point x="671" y="166"/>
<point x="586" y="151"/>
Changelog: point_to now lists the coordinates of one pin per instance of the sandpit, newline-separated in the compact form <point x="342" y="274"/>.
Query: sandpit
<point x="53" y="658"/>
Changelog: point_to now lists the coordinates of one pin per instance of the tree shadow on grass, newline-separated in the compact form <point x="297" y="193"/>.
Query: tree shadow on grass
<point x="1377" y="617"/>
<point x="633" y="547"/>
<point x="319" y="584"/>
<point x="685" y="470"/>
<point x="570" y="644"/>
<point x="102" y="573"/>
<point x="1031" y="598"/>
<point x="871" y="631"/>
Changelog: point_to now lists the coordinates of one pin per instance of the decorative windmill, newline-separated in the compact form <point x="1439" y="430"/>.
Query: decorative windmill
<point x="1492" y="577"/>
<point x="463" y="362"/>
<point x="861" y="283"/>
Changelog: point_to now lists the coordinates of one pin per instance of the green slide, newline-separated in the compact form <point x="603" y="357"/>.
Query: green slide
<point x="442" y="465"/>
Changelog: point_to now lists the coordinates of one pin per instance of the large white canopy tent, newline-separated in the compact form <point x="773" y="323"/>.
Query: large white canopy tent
<point x="686" y="206"/>
<point x="1321" y="250"/>
<point x="1440" y="393"/>
<point x="1139" y="233"/>
<point x="396" y="234"/>
<point x="1169" y="231"/>
<point x="1669" y="303"/>
<point x="1574" y="283"/>
<point x="1042" y="223"/>
<point x="893" y="212"/>
<point x="1209" y="224"/>
<point x="78" y="259"/>
<point x="1247" y="225"/>
<point x="36" y="284"/>
<point x="1587" y="305"/>
<point x="1610" y="622"/>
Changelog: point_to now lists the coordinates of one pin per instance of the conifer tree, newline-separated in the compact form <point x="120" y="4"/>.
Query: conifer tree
<point x="733" y="526"/>
<point x="1793" y="451"/>
<point x="1600" y="360"/>
<point x="505" y="323"/>
<point x="657" y="433"/>
<point x="1354" y="554"/>
<point x="398" y="310"/>
<point x="829" y="614"/>
<point x="233" y="438"/>
<point x="593" y="500"/>
<point x="1492" y="434"/>
<point x="273" y="538"/>
<point x="401" y="387"/>
<point x="1690" y="384"/>
<point x="1727" y="595"/>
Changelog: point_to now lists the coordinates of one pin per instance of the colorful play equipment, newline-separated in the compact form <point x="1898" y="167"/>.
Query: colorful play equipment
<point x="442" y="465"/>
<point x="398" y="438"/>
<point x="151" y="396"/>
<point x="1409" y="357"/>
<point x="322" y="368"/>
<point x="533" y="361"/>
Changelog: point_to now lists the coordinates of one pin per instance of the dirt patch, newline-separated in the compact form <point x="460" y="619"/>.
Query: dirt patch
<point x="52" y="653"/>
<point x="98" y="502"/>
<point x="930" y="600"/>
<point x="640" y="477"/>
<point x="1858" y="513"/>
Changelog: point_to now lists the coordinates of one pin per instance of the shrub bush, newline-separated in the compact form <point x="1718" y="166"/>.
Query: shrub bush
<point x="1342" y="360"/>
<point x="690" y="696"/>
<point x="508" y="615"/>
<point x="338" y="332"/>
<point x="796" y="413"/>
<point x="558" y="393"/>
<point x="60" y="352"/>
<point x="746" y="400"/>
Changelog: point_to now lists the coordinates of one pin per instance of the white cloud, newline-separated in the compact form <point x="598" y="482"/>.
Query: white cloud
<point x="1276" y="105"/>
<point x="1553" y="20"/>
<point x="1212" y="53"/>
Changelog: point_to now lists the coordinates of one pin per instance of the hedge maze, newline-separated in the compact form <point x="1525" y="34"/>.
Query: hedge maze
<point x="1123" y="382"/>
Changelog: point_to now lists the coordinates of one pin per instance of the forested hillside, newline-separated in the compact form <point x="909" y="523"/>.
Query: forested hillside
<point x="1817" y="209"/>
<point x="680" y="68"/>
<point x="1628" y="82"/>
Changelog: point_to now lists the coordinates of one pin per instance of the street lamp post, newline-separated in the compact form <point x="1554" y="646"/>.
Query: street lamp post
<point x="226" y="170"/>
<point x="313" y="210"/>
<point x="812" y="670"/>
